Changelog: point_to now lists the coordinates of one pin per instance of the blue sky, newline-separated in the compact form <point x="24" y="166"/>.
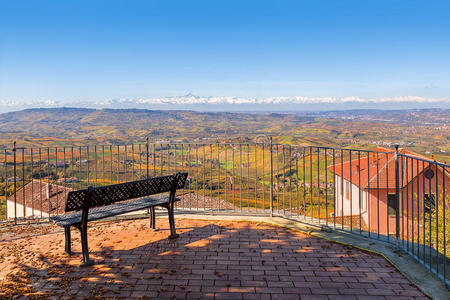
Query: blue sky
<point x="99" y="50"/>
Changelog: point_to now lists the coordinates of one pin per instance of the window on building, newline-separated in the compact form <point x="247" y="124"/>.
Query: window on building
<point x="429" y="202"/>
<point x="362" y="203"/>
<point x="392" y="204"/>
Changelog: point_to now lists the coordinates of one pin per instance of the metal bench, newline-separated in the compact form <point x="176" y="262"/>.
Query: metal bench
<point x="95" y="203"/>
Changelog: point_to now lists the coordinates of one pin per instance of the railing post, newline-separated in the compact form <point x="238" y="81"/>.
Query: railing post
<point x="15" y="184"/>
<point x="397" y="196"/>
<point x="271" y="176"/>
<point x="146" y="145"/>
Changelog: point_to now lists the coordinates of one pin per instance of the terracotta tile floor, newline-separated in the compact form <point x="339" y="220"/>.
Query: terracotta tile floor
<point x="210" y="259"/>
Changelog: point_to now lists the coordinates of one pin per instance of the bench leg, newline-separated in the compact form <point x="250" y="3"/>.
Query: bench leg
<point x="84" y="247"/>
<point x="173" y="233"/>
<point x="152" y="218"/>
<point x="68" y="242"/>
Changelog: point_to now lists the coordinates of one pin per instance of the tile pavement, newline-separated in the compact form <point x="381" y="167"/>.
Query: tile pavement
<point x="210" y="260"/>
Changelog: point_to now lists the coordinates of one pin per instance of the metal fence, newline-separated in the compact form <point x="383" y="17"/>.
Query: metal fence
<point x="423" y="215"/>
<point x="390" y="195"/>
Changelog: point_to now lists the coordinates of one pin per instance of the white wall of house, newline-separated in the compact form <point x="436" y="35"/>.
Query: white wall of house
<point x="37" y="213"/>
<point x="348" y="201"/>
<point x="19" y="209"/>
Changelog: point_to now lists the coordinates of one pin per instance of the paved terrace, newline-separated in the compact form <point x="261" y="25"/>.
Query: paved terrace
<point x="210" y="259"/>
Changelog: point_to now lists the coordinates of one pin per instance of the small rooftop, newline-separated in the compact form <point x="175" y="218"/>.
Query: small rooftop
<point x="42" y="196"/>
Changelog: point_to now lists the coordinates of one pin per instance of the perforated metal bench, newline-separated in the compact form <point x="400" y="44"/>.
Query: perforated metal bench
<point x="95" y="203"/>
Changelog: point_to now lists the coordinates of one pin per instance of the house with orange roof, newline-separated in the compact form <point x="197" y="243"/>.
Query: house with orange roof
<point x="37" y="198"/>
<point x="366" y="187"/>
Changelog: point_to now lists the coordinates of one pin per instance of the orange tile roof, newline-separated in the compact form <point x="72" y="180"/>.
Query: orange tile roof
<point x="364" y="172"/>
<point x="35" y="194"/>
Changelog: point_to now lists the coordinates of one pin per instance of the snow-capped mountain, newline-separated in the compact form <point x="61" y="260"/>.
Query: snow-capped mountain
<point x="220" y="103"/>
<point x="193" y="99"/>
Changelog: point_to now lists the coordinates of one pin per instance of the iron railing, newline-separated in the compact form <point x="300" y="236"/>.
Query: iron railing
<point x="423" y="214"/>
<point x="389" y="195"/>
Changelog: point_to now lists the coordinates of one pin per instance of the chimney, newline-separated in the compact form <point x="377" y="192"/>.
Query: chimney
<point x="48" y="190"/>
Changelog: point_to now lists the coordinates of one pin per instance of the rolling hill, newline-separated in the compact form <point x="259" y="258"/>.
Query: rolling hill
<point x="424" y="131"/>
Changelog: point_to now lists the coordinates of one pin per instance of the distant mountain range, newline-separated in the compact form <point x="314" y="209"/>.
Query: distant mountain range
<point x="214" y="103"/>
<point x="74" y="123"/>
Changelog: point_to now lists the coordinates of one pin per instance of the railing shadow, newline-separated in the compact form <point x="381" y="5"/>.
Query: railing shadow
<point x="203" y="262"/>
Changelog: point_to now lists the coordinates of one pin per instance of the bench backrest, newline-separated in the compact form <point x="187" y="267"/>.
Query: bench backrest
<point x="109" y="194"/>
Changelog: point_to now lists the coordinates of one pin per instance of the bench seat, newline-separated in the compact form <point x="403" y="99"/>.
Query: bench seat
<point x="98" y="213"/>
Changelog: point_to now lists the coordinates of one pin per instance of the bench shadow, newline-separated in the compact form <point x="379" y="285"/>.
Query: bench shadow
<point x="203" y="262"/>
